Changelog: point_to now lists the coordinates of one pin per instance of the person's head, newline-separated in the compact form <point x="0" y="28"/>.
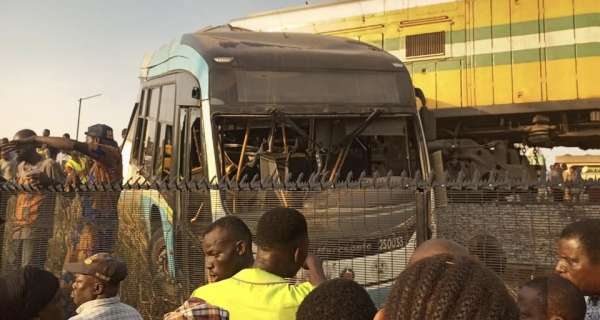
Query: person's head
<point x="551" y="298"/>
<point x="337" y="299"/>
<point x="75" y="155"/>
<point x="124" y="133"/>
<point x="434" y="247"/>
<point x="449" y="287"/>
<point x="101" y="134"/>
<point x="227" y="246"/>
<point x="579" y="255"/>
<point x="28" y="151"/>
<point x="66" y="136"/>
<point x="96" y="277"/>
<point x="30" y="293"/>
<point x="46" y="133"/>
<point x="282" y="241"/>
<point x="347" y="273"/>
<point x="488" y="250"/>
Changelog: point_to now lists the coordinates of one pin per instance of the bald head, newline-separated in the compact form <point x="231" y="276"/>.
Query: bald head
<point x="434" y="247"/>
<point x="26" y="152"/>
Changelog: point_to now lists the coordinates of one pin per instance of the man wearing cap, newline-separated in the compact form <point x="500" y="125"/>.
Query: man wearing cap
<point x="96" y="287"/>
<point x="97" y="231"/>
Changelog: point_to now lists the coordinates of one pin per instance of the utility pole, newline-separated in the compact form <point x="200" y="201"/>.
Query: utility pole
<point x="79" y="112"/>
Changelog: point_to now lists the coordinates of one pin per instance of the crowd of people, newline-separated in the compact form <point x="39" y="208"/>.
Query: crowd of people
<point x="43" y="161"/>
<point x="443" y="279"/>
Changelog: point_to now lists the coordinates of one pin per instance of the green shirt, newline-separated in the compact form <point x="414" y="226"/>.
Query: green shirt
<point x="254" y="294"/>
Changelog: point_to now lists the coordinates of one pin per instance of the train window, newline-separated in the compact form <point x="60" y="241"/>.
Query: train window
<point x="425" y="44"/>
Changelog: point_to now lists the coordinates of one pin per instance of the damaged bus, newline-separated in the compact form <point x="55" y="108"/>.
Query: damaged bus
<point x="230" y="104"/>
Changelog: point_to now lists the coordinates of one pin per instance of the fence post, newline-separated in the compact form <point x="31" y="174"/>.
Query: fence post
<point x="422" y="206"/>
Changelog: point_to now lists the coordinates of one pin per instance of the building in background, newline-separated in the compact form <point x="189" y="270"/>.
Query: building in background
<point x="589" y="164"/>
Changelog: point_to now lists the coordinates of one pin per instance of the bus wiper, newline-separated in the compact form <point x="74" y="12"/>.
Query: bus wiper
<point x="347" y="142"/>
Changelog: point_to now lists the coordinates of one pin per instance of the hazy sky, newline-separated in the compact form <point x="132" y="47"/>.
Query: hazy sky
<point x="54" y="52"/>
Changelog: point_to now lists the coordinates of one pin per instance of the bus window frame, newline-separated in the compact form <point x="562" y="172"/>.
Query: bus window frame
<point x="147" y="120"/>
<point x="161" y="130"/>
<point x="185" y="82"/>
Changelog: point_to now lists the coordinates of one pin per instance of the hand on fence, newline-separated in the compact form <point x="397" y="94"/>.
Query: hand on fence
<point x="37" y="179"/>
<point x="314" y="265"/>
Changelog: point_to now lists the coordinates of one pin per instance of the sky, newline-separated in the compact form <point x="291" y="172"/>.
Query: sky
<point x="54" y="52"/>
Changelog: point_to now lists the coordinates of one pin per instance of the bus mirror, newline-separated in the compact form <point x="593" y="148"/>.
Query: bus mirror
<point x="429" y="123"/>
<point x="421" y="96"/>
<point x="196" y="93"/>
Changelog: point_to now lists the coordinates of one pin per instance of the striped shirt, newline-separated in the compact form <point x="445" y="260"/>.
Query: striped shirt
<point x="197" y="309"/>
<point x="106" y="309"/>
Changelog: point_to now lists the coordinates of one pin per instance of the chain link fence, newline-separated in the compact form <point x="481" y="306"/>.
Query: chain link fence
<point x="370" y="226"/>
<point x="366" y="226"/>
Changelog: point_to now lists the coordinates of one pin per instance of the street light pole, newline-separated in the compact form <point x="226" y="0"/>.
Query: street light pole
<point x="79" y="112"/>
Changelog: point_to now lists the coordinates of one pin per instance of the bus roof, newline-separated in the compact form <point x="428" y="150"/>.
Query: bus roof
<point x="277" y="50"/>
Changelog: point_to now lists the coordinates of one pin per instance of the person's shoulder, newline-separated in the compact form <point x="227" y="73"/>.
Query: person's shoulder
<point x="207" y="289"/>
<point x="128" y="308"/>
<point x="301" y="290"/>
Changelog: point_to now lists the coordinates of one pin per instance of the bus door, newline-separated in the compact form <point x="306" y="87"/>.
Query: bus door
<point x="193" y="207"/>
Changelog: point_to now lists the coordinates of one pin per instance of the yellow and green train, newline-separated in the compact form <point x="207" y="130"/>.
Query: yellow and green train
<point x="522" y="70"/>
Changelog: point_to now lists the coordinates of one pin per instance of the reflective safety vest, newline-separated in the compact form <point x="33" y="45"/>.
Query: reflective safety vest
<point x="79" y="168"/>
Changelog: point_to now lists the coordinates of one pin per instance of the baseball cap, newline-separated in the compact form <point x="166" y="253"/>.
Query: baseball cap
<point x="100" y="131"/>
<point x="102" y="266"/>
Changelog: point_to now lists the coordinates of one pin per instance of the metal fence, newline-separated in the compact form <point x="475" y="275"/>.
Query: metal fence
<point x="371" y="226"/>
<point x="367" y="225"/>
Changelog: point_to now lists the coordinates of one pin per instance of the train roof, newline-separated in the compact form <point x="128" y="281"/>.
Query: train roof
<point x="274" y="50"/>
<point x="305" y="17"/>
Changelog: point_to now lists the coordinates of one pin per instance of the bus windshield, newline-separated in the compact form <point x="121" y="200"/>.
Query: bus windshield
<point x="282" y="147"/>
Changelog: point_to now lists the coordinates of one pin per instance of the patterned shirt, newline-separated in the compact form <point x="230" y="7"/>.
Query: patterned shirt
<point x="33" y="216"/>
<point x="197" y="309"/>
<point x="107" y="166"/>
<point x="106" y="309"/>
<point x="593" y="308"/>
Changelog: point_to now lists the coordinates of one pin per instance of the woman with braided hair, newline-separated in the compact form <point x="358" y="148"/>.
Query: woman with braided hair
<point x="445" y="287"/>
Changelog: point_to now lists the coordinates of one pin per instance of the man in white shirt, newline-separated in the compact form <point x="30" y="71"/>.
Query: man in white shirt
<point x="96" y="287"/>
<point x="62" y="157"/>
